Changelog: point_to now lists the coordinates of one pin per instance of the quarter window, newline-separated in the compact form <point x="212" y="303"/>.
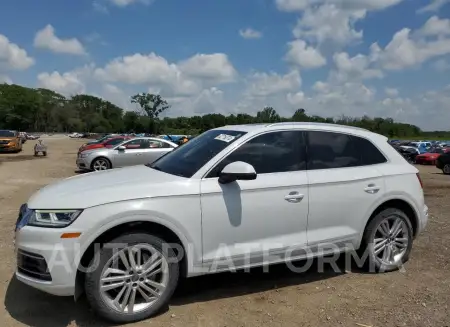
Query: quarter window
<point x="370" y="155"/>
<point x="273" y="152"/>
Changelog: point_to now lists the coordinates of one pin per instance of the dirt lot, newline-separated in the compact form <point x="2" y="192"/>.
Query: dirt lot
<point x="419" y="296"/>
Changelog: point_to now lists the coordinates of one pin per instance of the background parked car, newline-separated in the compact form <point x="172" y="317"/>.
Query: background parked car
<point x="137" y="151"/>
<point x="10" y="141"/>
<point x="23" y="136"/>
<point x="430" y="157"/>
<point x="107" y="142"/>
<point x="443" y="163"/>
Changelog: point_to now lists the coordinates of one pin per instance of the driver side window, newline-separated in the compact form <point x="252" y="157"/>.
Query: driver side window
<point x="273" y="152"/>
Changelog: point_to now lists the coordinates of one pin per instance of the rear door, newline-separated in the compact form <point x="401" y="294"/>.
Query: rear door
<point x="344" y="183"/>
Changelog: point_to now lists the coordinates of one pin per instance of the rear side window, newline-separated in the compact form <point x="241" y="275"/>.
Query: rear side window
<point x="370" y="155"/>
<point x="335" y="150"/>
<point x="328" y="150"/>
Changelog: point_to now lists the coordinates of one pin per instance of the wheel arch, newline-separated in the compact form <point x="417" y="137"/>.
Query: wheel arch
<point x="398" y="203"/>
<point x="156" y="228"/>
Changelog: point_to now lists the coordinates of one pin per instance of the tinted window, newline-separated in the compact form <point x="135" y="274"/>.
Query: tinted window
<point x="269" y="153"/>
<point x="370" y="155"/>
<point x="159" y="144"/>
<point x="331" y="150"/>
<point x="137" y="144"/>
<point x="114" y="141"/>
<point x="187" y="159"/>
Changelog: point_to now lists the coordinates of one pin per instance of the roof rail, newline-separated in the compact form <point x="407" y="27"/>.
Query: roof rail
<point x="316" y="124"/>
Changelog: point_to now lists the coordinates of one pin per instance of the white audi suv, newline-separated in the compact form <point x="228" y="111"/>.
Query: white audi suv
<point x="232" y="198"/>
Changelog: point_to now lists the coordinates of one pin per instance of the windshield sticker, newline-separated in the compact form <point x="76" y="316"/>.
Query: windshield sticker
<point x="225" y="138"/>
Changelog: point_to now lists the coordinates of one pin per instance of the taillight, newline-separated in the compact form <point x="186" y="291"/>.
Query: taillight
<point x="420" y="180"/>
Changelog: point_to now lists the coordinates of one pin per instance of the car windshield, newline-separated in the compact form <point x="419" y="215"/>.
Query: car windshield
<point x="188" y="158"/>
<point x="7" y="133"/>
<point x="437" y="150"/>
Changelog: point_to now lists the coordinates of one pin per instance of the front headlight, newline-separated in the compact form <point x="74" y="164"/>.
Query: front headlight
<point x="53" y="218"/>
<point x="84" y="155"/>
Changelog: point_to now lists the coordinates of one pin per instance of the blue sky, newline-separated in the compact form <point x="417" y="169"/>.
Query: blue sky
<point x="387" y="58"/>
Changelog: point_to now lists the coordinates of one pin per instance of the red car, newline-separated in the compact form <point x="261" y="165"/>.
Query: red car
<point x="106" y="143"/>
<point x="430" y="158"/>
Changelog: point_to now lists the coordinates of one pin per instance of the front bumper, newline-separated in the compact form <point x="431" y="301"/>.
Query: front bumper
<point x="9" y="148"/>
<point x="59" y="256"/>
<point x="83" y="163"/>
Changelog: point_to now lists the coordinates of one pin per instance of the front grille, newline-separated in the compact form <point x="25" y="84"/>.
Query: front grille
<point x="33" y="265"/>
<point x="4" y="142"/>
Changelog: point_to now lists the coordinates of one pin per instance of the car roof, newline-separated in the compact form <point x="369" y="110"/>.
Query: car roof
<point x="255" y="128"/>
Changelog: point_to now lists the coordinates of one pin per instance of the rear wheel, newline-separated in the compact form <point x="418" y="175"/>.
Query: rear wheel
<point x="446" y="169"/>
<point x="134" y="281"/>
<point x="101" y="164"/>
<point x="387" y="240"/>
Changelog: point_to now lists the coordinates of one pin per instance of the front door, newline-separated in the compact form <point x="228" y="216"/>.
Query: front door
<point x="250" y="222"/>
<point x="135" y="153"/>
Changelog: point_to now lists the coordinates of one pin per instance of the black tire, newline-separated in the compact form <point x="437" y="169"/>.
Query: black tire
<point x="92" y="281"/>
<point x="372" y="263"/>
<point x="108" y="163"/>
<point x="44" y="153"/>
<point x="446" y="169"/>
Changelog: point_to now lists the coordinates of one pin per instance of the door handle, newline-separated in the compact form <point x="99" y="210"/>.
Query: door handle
<point x="294" y="197"/>
<point x="372" y="189"/>
<point x="139" y="154"/>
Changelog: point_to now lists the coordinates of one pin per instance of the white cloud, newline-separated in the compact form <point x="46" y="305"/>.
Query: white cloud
<point x="404" y="51"/>
<point x="124" y="3"/>
<point x="435" y="5"/>
<point x="67" y="84"/>
<point x="5" y="79"/>
<point x="12" y="56"/>
<point x="354" y="68"/>
<point x="391" y="92"/>
<point x="46" y="39"/>
<point x="250" y="33"/>
<point x="329" y="23"/>
<point x="435" y="26"/>
<point x="213" y="67"/>
<point x="184" y="78"/>
<point x="299" y="5"/>
<point x="301" y="54"/>
<point x="269" y="84"/>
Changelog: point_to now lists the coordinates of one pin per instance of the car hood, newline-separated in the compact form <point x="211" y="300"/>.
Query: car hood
<point x="97" y="188"/>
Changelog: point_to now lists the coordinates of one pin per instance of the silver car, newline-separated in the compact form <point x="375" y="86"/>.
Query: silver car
<point x="137" y="151"/>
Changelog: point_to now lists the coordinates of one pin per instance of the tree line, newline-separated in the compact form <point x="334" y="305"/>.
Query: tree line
<point x="43" y="110"/>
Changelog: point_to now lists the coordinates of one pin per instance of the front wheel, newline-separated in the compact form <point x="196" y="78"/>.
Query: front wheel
<point x="387" y="240"/>
<point x="446" y="169"/>
<point x="133" y="278"/>
<point x="101" y="164"/>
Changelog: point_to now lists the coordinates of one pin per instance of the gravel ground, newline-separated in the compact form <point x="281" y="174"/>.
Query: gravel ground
<point x="418" y="296"/>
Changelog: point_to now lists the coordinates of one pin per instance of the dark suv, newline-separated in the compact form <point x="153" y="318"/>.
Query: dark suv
<point x="443" y="163"/>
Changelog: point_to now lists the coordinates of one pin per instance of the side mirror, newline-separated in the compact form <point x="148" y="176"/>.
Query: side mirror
<point x="237" y="170"/>
<point x="121" y="148"/>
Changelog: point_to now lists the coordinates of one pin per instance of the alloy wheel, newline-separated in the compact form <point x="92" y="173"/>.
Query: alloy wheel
<point x="100" y="164"/>
<point x="391" y="240"/>
<point x="134" y="279"/>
